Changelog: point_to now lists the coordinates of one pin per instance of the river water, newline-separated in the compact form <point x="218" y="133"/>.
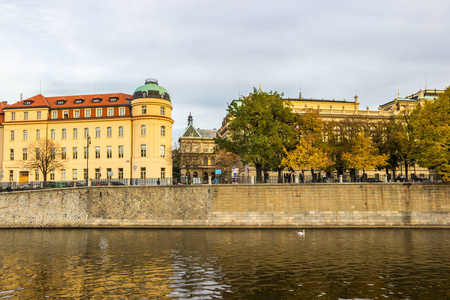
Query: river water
<point x="225" y="264"/>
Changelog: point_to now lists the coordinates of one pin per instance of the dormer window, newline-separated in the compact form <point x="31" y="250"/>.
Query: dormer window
<point x="96" y="100"/>
<point x="60" y="102"/>
<point x="28" y="102"/>
<point x="113" y="99"/>
<point x="79" y="101"/>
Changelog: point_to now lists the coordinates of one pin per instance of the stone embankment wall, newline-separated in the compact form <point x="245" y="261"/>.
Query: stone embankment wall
<point x="214" y="206"/>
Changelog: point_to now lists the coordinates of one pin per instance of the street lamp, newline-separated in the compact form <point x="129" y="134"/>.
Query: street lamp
<point x="88" y="142"/>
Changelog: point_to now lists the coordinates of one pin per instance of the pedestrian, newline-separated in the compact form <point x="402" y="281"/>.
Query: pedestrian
<point x="324" y="176"/>
<point x="158" y="182"/>
<point x="8" y="188"/>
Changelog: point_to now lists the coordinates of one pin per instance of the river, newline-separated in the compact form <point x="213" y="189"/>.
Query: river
<point x="224" y="264"/>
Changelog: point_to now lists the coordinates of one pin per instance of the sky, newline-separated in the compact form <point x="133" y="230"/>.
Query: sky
<point x="208" y="53"/>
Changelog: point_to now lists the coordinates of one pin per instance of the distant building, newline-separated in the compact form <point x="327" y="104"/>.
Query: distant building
<point x="409" y="102"/>
<point x="130" y="135"/>
<point x="197" y="157"/>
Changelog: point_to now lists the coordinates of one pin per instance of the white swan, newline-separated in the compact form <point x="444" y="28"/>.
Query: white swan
<point x="301" y="233"/>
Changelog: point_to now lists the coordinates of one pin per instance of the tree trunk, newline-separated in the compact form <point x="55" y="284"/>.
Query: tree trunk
<point x="313" y="175"/>
<point x="258" y="167"/>
<point x="280" y="176"/>
<point x="406" y="169"/>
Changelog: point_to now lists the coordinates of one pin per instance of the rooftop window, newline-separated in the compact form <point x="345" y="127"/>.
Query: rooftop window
<point x="113" y="99"/>
<point x="60" y="102"/>
<point x="28" y="102"/>
<point x="79" y="101"/>
<point x="96" y="100"/>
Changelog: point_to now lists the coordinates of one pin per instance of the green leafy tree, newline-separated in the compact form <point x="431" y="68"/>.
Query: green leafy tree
<point x="431" y="128"/>
<point x="262" y="126"/>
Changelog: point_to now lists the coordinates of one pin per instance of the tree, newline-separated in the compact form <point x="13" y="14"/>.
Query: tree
<point x="363" y="155"/>
<point x="431" y="128"/>
<point x="226" y="160"/>
<point x="306" y="156"/>
<point x="45" y="155"/>
<point x="262" y="126"/>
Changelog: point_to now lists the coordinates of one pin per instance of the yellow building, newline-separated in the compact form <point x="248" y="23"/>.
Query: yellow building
<point x="114" y="136"/>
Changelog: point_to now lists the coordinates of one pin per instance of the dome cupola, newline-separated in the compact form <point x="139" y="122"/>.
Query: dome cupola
<point x="151" y="89"/>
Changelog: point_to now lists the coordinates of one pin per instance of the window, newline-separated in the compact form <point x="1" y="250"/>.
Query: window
<point x="75" y="133"/>
<point x="163" y="151"/>
<point x="97" y="132"/>
<point x="163" y="173"/>
<point x="13" y="116"/>
<point x="24" y="154"/>
<point x="86" y="152"/>
<point x="108" y="173"/>
<point x="163" y="130"/>
<point x="109" y="132"/>
<point x="144" y="109"/>
<point x="36" y="174"/>
<point x="120" y="151"/>
<point x="120" y="175"/>
<point x="143" y="173"/>
<point x="213" y="161"/>
<point x="74" y="174"/>
<point x="65" y="114"/>
<point x="11" y="175"/>
<point x="63" y="174"/>
<point x="108" y="152"/>
<point x="205" y="161"/>
<point x="74" y="152"/>
<point x="38" y="153"/>
<point x="11" y="154"/>
<point x="113" y="99"/>
<point x="63" y="153"/>
<point x="79" y="101"/>
<point x="60" y="102"/>
<point x="162" y="111"/>
<point x="76" y="113"/>
<point x="143" y="130"/>
<point x="53" y="134"/>
<point x="86" y="133"/>
<point x="143" y="150"/>
<point x="97" y="100"/>
<point x="97" y="174"/>
<point x="52" y="175"/>
<point x="120" y="130"/>
<point x="12" y="135"/>
<point x="110" y="112"/>
<point x="52" y="153"/>
<point x="25" y="134"/>
<point x="54" y="114"/>
<point x="64" y="134"/>
<point x="25" y="115"/>
<point x="99" y="112"/>
<point x="97" y="152"/>
<point x="87" y="113"/>
<point x="122" y="111"/>
<point x="38" y="134"/>
<point x="38" y="115"/>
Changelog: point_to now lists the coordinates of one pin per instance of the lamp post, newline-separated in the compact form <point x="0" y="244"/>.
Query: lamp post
<point x="88" y="142"/>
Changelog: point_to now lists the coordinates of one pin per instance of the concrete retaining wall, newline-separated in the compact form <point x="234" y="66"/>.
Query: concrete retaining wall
<point x="304" y="205"/>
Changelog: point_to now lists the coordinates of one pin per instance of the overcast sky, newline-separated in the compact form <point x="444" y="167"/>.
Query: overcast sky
<point x="207" y="53"/>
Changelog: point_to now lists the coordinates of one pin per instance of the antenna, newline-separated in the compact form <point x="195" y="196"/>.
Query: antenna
<point x="398" y="89"/>
<point x="425" y="82"/>
<point x="260" y="83"/>
<point x="299" y="89"/>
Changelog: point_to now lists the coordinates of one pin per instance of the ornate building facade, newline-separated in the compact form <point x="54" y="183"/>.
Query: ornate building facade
<point x="100" y="136"/>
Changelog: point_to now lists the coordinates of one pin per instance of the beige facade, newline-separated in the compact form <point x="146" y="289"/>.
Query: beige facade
<point x="130" y="136"/>
<point x="197" y="154"/>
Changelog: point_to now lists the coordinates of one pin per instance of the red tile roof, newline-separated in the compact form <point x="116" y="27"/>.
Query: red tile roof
<point x="71" y="101"/>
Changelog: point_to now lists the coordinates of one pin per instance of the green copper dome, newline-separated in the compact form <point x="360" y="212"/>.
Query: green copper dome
<point x="151" y="89"/>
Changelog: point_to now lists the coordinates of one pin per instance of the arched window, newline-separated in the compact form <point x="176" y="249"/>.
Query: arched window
<point x="213" y="161"/>
<point x="195" y="175"/>
<point x="205" y="161"/>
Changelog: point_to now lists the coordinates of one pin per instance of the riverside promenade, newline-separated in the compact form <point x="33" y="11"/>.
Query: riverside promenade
<point x="363" y="205"/>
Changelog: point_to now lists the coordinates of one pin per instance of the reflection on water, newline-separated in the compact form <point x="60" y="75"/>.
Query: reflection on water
<point x="214" y="264"/>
